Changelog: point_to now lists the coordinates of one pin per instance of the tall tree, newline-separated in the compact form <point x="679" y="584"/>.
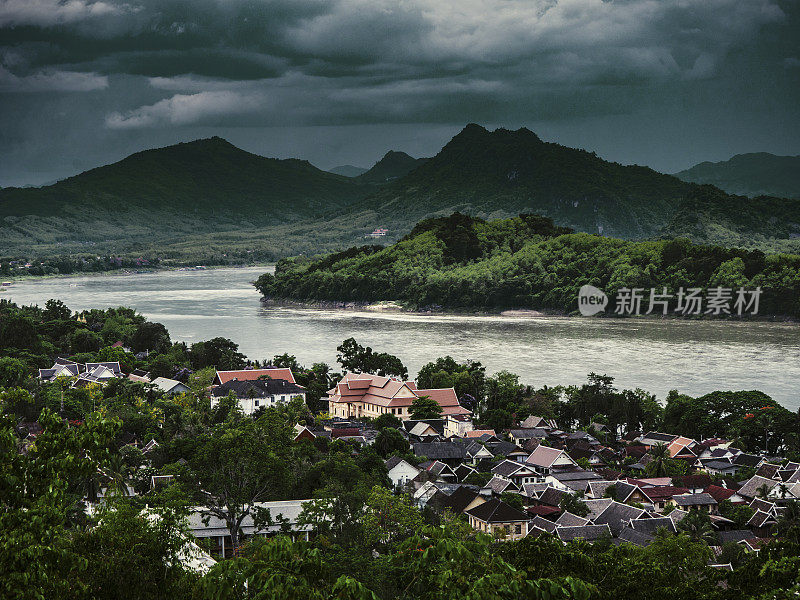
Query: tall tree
<point x="237" y="465"/>
<point x="355" y="357"/>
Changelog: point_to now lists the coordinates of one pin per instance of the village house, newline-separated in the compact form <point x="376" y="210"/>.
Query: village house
<point x="400" y="471"/>
<point x="259" y="393"/>
<point x="170" y="386"/>
<point x="221" y="377"/>
<point x="364" y="395"/>
<point x="545" y="460"/>
<point x="285" y="514"/>
<point x="82" y="374"/>
<point x="498" y="518"/>
<point x="704" y="502"/>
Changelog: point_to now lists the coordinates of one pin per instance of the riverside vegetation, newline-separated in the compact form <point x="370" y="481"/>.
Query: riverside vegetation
<point x="526" y="262"/>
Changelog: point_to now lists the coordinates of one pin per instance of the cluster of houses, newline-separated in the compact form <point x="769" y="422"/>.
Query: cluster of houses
<point x="536" y="465"/>
<point x="83" y="374"/>
<point x="517" y="482"/>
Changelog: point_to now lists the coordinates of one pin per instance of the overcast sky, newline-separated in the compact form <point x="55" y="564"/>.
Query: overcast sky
<point x="666" y="83"/>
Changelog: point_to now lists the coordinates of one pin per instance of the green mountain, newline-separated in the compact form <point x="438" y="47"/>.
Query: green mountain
<point x="502" y="173"/>
<point x="348" y="170"/>
<point x="208" y="201"/>
<point x="527" y="262"/>
<point x="756" y="174"/>
<point x="392" y="166"/>
<point x="709" y="214"/>
<point x="167" y="193"/>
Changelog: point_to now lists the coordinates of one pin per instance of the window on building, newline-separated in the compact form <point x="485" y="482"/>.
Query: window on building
<point x="256" y="402"/>
<point x="518" y="528"/>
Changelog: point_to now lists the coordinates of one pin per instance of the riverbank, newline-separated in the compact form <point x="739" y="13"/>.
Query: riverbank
<point x="128" y="272"/>
<point x="694" y="356"/>
<point x="397" y="306"/>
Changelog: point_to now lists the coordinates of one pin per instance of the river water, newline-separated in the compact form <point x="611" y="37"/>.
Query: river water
<point x="693" y="357"/>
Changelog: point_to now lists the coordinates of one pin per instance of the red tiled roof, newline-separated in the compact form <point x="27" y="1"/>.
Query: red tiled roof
<point x="542" y="510"/>
<point x="253" y="374"/>
<point x="345" y="432"/>
<point x="719" y="493"/>
<point x="476" y="433"/>
<point x="384" y="391"/>
<point x="663" y="492"/>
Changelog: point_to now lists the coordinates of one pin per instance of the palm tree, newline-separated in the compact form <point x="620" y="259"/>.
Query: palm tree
<point x="117" y="473"/>
<point x="783" y="489"/>
<point x="788" y="525"/>
<point x="762" y="491"/>
<point x="658" y="466"/>
<point x="697" y="525"/>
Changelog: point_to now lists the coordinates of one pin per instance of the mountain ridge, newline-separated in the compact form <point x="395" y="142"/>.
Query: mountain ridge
<point x="393" y="165"/>
<point x="176" y="199"/>
<point x="750" y="174"/>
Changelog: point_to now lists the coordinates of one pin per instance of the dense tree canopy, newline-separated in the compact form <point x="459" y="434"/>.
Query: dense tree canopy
<point x="526" y="262"/>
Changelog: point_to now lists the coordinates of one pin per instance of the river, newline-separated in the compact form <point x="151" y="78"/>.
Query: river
<point x="693" y="357"/>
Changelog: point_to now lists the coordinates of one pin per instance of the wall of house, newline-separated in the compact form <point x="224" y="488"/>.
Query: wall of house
<point x="402" y="473"/>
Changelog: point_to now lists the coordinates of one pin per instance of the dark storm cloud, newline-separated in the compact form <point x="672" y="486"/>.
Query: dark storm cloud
<point x="179" y="65"/>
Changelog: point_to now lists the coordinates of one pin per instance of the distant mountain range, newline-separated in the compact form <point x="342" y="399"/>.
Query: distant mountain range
<point x="756" y="174"/>
<point x="391" y="167"/>
<point x="208" y="200"/>
<point x="348" y="170"/>
<point x="504" y="173"/>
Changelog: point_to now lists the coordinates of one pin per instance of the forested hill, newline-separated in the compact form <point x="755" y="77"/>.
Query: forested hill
<point x="503" y="173"/>
<point x="202" y="186"/>
<point x="526" y="262"/>
<point x="211" y="201"/>
<point x="392" y="166"/>
<point x="754" y="174"/>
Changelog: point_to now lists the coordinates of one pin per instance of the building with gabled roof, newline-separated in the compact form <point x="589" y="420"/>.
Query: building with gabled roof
<point x="498" y="518"/>
<point x="253" y="394"/>
<point x="545" y="459"/>
<point x="365" y="395"/>
<point x="583" y="532"/>
<point x="221" y="377"/>
<point x="400" y="471"/>
<point x="83" y="374"/>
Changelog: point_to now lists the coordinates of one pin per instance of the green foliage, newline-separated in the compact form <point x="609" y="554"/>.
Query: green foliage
<point x="467" y="378"/>
<point x="520" y="267"/>
<point x="238" y="464"/>
<point x="355" y="357"/>
<point x="749" y="416"/>
<point x="425" y="407"/>
<point x="218" y="352"/>
<point x="390" y="441"/>
<point x="389" y="519"/>
<point x="574" y="503"/>
<point x="152" y="337"/>
<point x="13" y="372"/>
<point x="387" y="420"/>
<point x="133" y="555"/>
<point x="697" y="526"/>
<point x="38" y="492"/>
<point x="279" y="569"/>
